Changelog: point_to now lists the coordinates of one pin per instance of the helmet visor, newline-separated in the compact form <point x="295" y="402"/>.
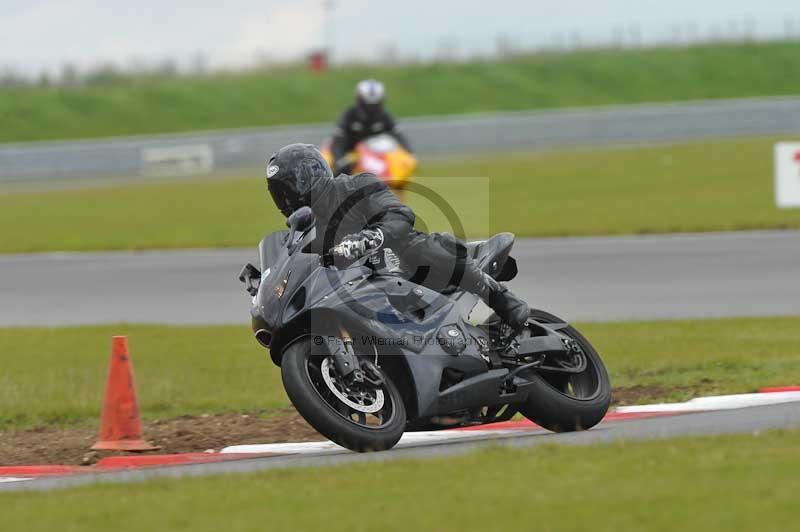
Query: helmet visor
<point x="284" y="197"/>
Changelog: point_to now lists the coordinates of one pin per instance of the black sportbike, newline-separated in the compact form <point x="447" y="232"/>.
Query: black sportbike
<point x="365" y="354"/>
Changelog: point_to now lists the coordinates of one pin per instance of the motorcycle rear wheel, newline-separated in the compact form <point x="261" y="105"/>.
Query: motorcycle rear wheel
<point x="568" y="402"/>
<point x="362" y="420"/>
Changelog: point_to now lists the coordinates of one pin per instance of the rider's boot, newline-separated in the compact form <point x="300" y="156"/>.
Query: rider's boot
<point x="509" y="308"/>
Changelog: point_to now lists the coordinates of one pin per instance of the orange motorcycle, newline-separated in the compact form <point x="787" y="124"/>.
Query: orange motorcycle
<point x="383" y="156"/>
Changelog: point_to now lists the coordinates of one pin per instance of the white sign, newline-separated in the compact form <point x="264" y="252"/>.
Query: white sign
<point x="787" y="175"/>
<point x="177" y="160"/>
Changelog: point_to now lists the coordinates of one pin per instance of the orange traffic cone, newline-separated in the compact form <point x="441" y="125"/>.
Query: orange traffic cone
<point x="120" y="425"/>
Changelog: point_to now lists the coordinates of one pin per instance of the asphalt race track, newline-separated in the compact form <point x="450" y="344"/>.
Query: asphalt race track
<point x="605" y="278"/>
<point x="754" y="419"/>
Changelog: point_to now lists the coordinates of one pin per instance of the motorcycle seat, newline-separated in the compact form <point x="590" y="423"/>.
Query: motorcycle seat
<point x="491" y="255"/>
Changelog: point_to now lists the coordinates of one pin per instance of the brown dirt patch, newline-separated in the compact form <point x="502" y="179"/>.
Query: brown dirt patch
<point x="637" y="394"/>
<point x="180" y="435"/>
<point x="641" y="394"/>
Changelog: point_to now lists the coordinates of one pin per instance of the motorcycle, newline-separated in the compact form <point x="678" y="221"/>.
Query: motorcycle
<point x="365" y="354"/>
<point x="381" y="155"/>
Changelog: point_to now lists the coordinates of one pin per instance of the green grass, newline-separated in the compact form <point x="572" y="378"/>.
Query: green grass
<point x="292" y="95"/>
<point x="703" y="186"/>
<point x="747" y="482"/>
<point x="56" y="375"/>
<point x="700" y="356"/>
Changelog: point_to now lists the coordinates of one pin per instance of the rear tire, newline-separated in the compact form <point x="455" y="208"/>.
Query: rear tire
<point x="301" y="379"/>
<point x="566" y="402"/>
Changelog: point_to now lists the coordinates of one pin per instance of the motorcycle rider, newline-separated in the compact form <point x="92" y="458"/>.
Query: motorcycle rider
<point x="366" y="117"/>
<point x="361" y="215"/>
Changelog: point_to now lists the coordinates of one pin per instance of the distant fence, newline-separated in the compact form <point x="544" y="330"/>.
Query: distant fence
<point x="205" y="152"/>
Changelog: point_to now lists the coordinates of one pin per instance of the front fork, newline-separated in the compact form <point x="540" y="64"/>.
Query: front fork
<point x="349" y="367"/>
<point x="345" y="359"/>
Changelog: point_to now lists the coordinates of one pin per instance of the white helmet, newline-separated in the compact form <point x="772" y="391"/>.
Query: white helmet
<point x="370" y="92"/>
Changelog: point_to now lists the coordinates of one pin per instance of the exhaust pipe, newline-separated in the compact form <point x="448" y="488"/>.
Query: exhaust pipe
<point x="263" y="337"/>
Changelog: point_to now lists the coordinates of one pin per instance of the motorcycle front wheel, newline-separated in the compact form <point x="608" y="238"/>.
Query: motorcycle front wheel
<point x="563" y="402"/>
<point x="359" y="416"/>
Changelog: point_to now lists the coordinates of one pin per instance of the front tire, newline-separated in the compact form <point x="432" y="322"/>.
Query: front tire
<point x="371" y="420"/>
<point x="568" y="402"/>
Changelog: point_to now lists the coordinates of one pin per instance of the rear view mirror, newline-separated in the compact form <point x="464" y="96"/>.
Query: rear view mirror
<point x="301" y="220"/>
<point x="251" y="278"/>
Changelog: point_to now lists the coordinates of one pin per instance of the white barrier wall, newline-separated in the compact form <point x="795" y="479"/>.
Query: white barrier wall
<point x="787" y="175"/>
<point x="192" y="159"/>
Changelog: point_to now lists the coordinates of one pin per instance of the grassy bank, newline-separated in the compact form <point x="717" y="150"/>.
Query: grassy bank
<point x="293" y="95"/>
<point x="703" y="186"/>
<point x="746" y="482"/>
<point x="56" y="376"/>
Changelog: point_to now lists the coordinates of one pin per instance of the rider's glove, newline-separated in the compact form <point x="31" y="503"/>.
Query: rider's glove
<point x="353" y="247"/>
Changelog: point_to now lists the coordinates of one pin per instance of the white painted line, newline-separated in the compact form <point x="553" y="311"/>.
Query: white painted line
<point x="13" y="479"/>
<point x="719" y="402"/>
<point x="409" y="439"/>
<point x="306" y="447"/>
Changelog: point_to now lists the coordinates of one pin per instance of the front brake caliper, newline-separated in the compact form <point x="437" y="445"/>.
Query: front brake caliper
<point x="371" y="373"/>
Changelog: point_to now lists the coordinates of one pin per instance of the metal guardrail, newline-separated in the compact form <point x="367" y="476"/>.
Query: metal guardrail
<point x="203" y="152"/>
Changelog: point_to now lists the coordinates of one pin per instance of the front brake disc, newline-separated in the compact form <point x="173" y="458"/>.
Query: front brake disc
<point x="377" y="401"/>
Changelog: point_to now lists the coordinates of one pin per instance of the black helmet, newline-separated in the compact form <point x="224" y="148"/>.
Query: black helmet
<point x="292" y="172"/>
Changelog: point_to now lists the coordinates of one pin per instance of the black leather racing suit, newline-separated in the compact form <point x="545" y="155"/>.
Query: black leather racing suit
<point x="348" y="204"/>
